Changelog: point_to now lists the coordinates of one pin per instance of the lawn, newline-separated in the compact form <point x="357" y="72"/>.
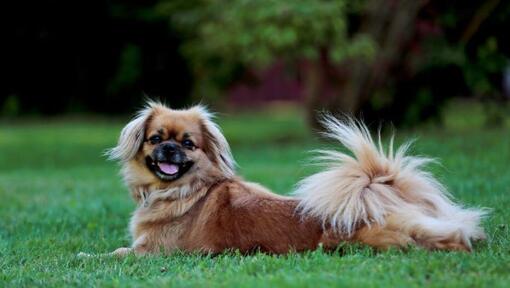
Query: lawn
<point x="60" y="196"/>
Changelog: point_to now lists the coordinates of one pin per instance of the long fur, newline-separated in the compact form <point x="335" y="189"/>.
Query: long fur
<point x="218" y="145"/>
<point x="132" y="135"/>
<point x="375" y="196"/>
<point x="131" y="140"/>
<point x="374" y="186"/>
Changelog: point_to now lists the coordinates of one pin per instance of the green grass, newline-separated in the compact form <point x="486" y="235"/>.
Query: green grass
<point x="59" y="196"/>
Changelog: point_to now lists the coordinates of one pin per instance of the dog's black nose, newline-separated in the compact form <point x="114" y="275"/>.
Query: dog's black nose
<point x="169" y="148"/>
<point x="169" y="152"/>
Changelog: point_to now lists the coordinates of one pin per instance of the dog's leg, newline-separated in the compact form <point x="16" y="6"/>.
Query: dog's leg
<point x="382" y="237"/>
<point x="121" y="252"/>
<point x="451" y="244"/>
<point x="430" y="232"/>
<point x="138" y="248"/>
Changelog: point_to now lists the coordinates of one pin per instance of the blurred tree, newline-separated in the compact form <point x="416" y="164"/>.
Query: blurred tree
<point x="487" y="55"/>
<point x="397" y="60"/>
<point x="450" y="49"/>
<point x="460" y="48"/>
<point x="228" y="36"/>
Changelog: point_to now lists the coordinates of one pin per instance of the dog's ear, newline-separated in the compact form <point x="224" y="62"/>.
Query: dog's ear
<point x="216" y="146"/>
<point x="131" y="137"/>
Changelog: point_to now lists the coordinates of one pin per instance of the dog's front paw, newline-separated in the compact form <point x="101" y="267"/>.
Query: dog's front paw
<point x="123" y="251"/>
<point x="84" y="255"/>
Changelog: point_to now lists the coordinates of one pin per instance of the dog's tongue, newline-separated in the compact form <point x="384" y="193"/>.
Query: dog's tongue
<point x="168" y="168"/>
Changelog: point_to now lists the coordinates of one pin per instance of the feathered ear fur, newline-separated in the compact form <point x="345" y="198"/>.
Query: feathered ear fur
<point x="217" y="147"/>
<point x="131" y="137"/>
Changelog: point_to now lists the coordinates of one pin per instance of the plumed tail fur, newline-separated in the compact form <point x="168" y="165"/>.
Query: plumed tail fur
<point x="377" y="186"/>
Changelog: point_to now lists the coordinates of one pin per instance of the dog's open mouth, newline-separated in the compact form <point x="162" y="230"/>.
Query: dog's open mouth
<point x="169" y="171"/>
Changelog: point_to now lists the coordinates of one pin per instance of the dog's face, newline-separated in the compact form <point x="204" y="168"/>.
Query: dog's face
<point x="166" y="147"/>
<point x="173" y="144"/>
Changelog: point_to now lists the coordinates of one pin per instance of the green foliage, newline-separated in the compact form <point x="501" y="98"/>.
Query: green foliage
<point x="63" y="197"/>
<point x="475" y="41"/>
<point x="477" y="69"/>
<point x="222" y="36"/>
<point x="487" y="62"/>
<point x="10" y="106"/>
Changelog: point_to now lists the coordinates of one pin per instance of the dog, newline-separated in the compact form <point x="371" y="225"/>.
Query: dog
<point x="180" y="170"/>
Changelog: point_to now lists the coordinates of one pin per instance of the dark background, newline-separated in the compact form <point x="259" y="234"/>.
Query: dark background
<point x="65" y="57"/>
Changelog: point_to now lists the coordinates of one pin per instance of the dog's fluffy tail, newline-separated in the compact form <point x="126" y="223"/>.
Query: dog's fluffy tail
<point x="374" y="186"/>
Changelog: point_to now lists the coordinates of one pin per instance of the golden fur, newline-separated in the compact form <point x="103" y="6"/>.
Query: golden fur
<point x="382" y="199"/>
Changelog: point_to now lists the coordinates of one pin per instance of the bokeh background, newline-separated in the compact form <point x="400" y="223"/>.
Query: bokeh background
<point x="402" y="61"/>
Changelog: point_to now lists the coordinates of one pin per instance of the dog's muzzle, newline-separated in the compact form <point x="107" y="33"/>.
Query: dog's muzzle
<point x="168" y="161"/>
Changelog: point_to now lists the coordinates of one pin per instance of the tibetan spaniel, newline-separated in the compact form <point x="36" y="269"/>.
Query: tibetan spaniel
<point x="179" y="169"/>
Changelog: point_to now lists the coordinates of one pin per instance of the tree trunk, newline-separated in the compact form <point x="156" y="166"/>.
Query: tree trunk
<point x="346" y="87"/>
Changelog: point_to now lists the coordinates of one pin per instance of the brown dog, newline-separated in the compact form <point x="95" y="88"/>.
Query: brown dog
<point x="179" y="168"/>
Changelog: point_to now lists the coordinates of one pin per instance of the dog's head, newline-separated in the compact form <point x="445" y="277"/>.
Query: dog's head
<point x="166" y="147"/>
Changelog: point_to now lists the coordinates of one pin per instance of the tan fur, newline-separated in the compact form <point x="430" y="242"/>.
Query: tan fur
<point x="386" y="190"/>
<point x="211" y="210"/>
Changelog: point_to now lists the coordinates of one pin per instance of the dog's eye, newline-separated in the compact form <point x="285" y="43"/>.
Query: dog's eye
<point x="156" y="139"/>
<point x="188" y="144"/>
